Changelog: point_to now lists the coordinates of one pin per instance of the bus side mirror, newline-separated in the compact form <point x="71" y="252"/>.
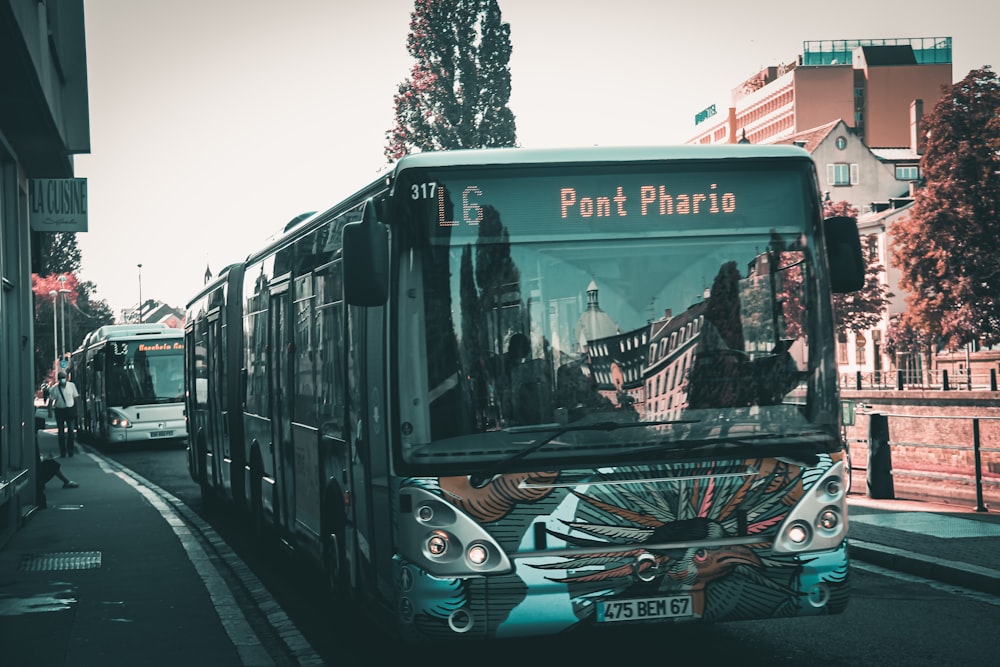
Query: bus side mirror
<point x="366" y="260"/>
<point x="843" y="251"/>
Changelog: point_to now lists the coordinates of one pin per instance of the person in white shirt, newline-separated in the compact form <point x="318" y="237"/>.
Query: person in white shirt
<point x="62" y="401"/>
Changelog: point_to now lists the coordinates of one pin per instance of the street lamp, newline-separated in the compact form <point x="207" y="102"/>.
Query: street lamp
<point x="55" y="326"/>
<point x="64" y="332"/>
<point x="140" y="293"/>
<point x="62" y="315"/>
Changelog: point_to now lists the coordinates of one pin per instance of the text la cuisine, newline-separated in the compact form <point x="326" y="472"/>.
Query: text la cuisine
<point x="653" y="200"/>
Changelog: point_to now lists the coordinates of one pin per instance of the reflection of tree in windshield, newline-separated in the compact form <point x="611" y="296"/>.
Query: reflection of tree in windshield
<point x="729" y="370"/>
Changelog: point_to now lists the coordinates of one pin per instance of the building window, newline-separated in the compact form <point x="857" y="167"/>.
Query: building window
<point x="841" y="173"/>
<point x="907" y="172"/>
<point x="841" y="143"/>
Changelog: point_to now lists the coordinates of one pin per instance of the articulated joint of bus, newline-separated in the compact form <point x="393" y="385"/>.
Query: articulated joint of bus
<point x="444" y="541"/>
<point x="818" y="522"/>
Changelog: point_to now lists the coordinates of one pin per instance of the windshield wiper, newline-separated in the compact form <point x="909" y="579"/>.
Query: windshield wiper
<point x="606" y="426"/>
<point x="790" y="445"/>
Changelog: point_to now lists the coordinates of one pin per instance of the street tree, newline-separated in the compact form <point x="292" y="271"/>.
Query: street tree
<point x="458" y="90"/>
<point x="69" y="314"/>
<point x="946" y="250"/>
<point x="58" y="253"/>
<point x="861" y="310"/>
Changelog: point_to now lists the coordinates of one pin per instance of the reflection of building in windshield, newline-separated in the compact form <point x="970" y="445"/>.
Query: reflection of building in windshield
<point x="645" y="368"/>
<point x="702" y="358"/>
<point x="594" y="323"/>
<point x="672" y="345"/>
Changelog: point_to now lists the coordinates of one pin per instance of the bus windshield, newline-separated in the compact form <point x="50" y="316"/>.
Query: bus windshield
<point x="579" y="314"/>
<point x="144" y="372"/>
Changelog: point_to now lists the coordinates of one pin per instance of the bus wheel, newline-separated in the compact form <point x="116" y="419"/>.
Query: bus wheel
<point x="207" y="492"/>
<point x="335" y="568"/>
<point x="333" y="564"/>
<point x="256" y="501"/>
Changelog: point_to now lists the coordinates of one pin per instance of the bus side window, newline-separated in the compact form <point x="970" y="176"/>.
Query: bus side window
<point x="329" y="350"/>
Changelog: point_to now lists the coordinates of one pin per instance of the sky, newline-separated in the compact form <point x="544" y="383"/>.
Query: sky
<point x="215" y="122"/>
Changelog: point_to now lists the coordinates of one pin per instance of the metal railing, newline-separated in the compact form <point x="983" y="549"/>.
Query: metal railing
<point x="939" y="379"/>
<point x="880" y="445"/>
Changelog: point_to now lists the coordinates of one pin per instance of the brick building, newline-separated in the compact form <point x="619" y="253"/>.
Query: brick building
<point x="869" y="83"/>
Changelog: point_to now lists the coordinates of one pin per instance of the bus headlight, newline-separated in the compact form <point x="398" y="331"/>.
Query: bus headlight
<point x="818" y="522"/>
<point x="797" y="533"/>
<point x="437" y="544"/>
<point x="828" y="519"/>
<point x="446" y="542"/>
<point x="118" y="420"/>
<point x="477" y="554"/>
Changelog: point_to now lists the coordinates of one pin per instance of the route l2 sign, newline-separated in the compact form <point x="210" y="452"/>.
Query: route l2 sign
<point x="58" y="204"/>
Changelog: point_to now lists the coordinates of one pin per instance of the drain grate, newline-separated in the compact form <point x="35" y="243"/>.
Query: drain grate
<point x="61" y="560"/>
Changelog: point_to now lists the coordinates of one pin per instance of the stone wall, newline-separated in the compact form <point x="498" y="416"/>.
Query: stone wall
<point x="931" y="436"/>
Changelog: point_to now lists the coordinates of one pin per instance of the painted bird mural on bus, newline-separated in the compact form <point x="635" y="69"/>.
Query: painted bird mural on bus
<point x="689" y="528"/>
<point x="712" y="507"/>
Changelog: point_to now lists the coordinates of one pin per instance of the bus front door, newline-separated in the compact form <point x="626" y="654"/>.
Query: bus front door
<point x="281" y="409"/>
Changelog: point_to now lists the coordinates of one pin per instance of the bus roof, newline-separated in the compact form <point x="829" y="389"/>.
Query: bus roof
<point x="594" y="154"/>
<point x="112" y="331"/>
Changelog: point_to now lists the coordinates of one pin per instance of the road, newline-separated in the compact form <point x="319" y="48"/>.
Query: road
<point x="892" y="619"/>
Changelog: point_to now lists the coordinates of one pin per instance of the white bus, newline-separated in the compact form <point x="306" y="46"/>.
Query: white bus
<point x="131" y="382"/>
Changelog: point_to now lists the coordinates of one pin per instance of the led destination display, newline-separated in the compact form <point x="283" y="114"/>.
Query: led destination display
<point x="610" y="204"/>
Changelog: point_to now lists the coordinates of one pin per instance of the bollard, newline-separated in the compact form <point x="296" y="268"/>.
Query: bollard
<point x="944" y="380"/>
<point x="980" y="505"/>
<point x="899" y="380"/>
<point x="857" y="382"/>
<point x="879" y="458"/>
<point x="993" y="379"/>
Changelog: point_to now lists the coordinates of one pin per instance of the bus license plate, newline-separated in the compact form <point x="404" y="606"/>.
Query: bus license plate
<point x="644" y="609"/>
<point x="160" y="434"/>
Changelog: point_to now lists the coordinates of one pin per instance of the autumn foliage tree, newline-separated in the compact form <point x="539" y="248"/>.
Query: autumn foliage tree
<point x="458" y="90"/>
<point x="946" y="250"/>
<point x="69" y="314"/>
<point x="862" y="310"/>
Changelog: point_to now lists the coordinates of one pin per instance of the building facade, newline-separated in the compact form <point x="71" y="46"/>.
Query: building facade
<point x="44" y="121"/>
<point x="857" y="107"/>
<point x="869" y="83"/>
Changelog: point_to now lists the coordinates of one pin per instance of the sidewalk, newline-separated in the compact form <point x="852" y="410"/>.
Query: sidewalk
<point x="101" y="578"/>
<point x="949" y="543"/>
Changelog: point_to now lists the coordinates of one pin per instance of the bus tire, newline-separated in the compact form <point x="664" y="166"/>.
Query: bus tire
<point x="201" y="456"/>
<point x="334" y="558"/>
<point x="334" y="567"/>
<point x="257" y="529"/>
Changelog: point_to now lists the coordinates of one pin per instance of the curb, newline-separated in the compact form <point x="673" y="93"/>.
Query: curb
<point x="984" y="579"/>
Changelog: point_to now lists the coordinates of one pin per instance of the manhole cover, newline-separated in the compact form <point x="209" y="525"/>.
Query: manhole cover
<point x="61" y="560"/>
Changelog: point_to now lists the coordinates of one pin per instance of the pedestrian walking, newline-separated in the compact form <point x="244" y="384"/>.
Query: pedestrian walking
<point x="62" y="402"/>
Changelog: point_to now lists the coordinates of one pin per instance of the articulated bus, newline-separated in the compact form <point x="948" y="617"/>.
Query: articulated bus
<point x="515" y="392"/>
<point x="131" y="383"/>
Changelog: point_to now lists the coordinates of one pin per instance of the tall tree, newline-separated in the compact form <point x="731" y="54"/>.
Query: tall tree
<point x="58" y="253"/>
<point x="862" y="310"/>
<point x="458" y="90"/>
<point x="946" y="250"/>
